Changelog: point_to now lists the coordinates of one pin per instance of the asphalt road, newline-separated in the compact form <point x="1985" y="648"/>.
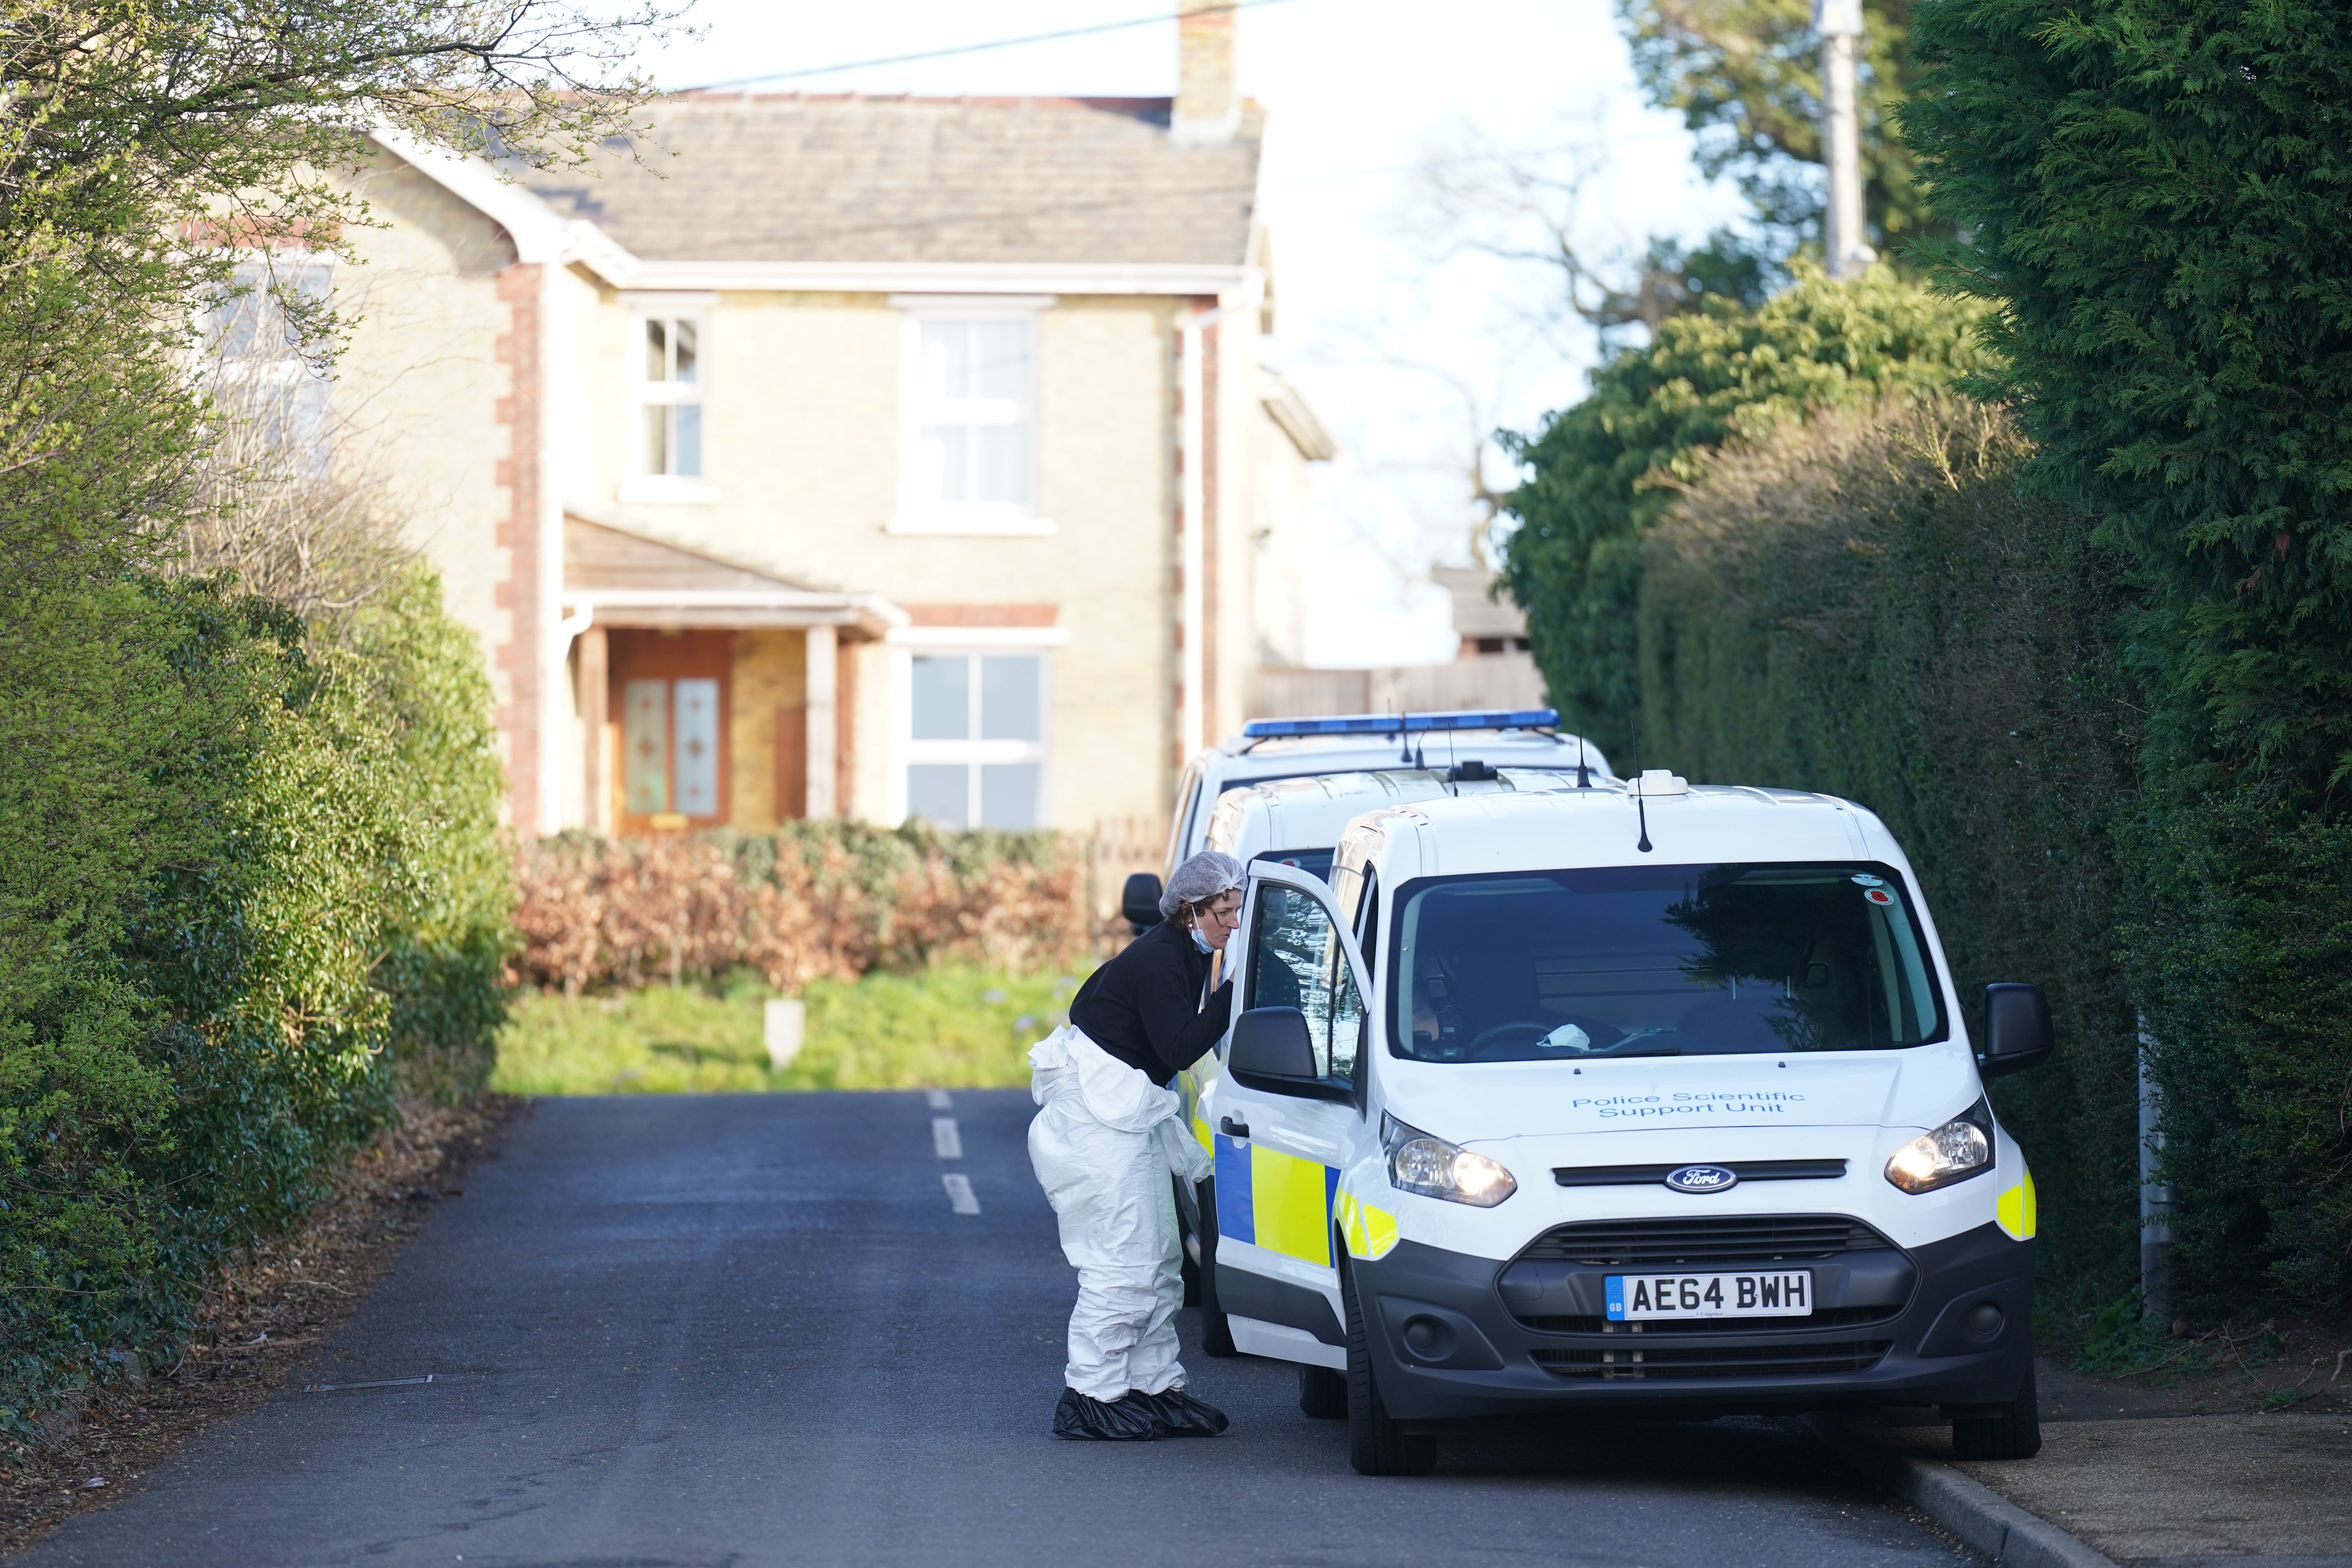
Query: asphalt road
<point x="753" y="1330"/>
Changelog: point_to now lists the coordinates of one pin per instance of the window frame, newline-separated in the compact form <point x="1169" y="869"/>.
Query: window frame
<point x="916" y="513"/>
<point x="640" y="394"/>
<point x="972" y="753"/>
<point x="1341" y="959"/>
<point x="258" y="274"/>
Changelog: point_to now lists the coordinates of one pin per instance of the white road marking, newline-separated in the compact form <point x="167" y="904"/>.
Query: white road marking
<point x="938" y="1099"/>
<point x="960" y="1199"/>
<point x="946" y="1141"/>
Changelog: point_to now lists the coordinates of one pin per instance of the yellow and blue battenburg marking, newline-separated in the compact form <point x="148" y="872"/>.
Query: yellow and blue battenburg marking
<point x="1370" y="1232"/>
<point x="2015" y="1210"/>
<point x="1274" y="1200"/>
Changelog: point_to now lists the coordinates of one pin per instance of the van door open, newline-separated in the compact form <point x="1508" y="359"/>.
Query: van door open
<point x="1280" y="1143"/>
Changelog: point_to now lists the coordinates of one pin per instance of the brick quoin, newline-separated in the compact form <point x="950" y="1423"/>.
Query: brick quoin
<point x="519" y="719"/>
<point x="1210" y="538"/>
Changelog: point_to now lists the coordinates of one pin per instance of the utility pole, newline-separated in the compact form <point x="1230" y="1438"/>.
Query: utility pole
<point x="1844" y="252"/>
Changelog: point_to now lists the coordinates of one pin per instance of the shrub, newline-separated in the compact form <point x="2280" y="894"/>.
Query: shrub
<point x="243" y="885"/>
<point x="1869" y="607"/>
<point x="814" y="899"/>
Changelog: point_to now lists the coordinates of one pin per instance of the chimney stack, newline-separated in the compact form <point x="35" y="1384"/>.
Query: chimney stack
<point x="1208" y="108"/>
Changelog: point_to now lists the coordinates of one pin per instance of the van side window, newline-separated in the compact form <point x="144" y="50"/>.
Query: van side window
<point x="1296" y="961"/>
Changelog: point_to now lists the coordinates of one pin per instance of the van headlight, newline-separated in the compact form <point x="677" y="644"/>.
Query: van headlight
<point x="1958" y="1149"/>
<point x="1436" y="1169"/>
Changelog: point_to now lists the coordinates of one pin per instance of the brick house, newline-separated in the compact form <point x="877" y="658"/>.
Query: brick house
<point x="841" y="455"/>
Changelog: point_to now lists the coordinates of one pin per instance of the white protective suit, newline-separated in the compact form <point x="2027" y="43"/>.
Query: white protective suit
<point x="1103" y="1148"/>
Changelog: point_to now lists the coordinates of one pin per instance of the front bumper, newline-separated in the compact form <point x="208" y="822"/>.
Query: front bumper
<point x="1947" y="1323"/>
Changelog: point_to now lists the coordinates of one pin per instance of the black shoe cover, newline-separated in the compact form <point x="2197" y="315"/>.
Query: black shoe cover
<point x="1090" y="1420"/>
<point x="1185" y="1417"/>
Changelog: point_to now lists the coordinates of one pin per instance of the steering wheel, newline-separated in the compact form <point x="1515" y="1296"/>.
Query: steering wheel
<point x="1527" y="1033"/>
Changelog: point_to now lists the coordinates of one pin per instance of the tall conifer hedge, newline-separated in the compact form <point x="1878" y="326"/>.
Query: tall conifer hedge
<point x="2157" y="195"/>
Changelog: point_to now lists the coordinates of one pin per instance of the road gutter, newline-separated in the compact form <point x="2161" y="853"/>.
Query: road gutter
<point x="1981" y="1518"/>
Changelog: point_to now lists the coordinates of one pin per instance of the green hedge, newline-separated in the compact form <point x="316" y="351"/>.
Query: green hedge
<point x="2158" y="199"/>
<point x="250" y="887"/>
<point x="1868" y="606"/>
<point x="1602" y="471"/>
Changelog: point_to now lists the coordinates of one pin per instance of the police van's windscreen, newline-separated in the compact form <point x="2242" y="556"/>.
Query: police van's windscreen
<point x="1660" y="961"/>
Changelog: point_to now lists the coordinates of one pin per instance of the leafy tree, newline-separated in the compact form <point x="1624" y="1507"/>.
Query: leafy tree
<point x="1603" y="470"/>
<point x="1745" y="75"/>
<point x="2159" y="196"/>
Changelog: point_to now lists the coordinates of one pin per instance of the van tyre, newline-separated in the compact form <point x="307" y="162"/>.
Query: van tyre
<point x="2014" y="1434"/>
<point x="1216" y="1333"/>
<point x="1377" y="1446"/>
<point x="1322" y="1393"/>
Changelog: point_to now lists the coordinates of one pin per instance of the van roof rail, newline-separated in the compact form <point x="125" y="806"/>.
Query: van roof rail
<point x="1403" y="723"/>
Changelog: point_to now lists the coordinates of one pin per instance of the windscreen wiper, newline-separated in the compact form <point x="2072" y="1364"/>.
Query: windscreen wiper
<point x="1645" y="1051"/>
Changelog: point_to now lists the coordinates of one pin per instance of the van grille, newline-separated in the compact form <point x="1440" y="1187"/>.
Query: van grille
<point x="1731" y="1238"/>
<point x="1655" y="1363"/>
<point x="1824" y="1317"/>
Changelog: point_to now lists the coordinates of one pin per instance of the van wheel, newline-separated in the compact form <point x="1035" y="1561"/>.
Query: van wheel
<point x="2014" y="1434"/>
<point x="1216" y="1334"/>
<point x="1322" y="1393"/>
<point x="1377" y="1446"/>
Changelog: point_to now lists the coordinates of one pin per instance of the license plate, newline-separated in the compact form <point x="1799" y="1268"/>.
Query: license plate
<point x="1644" y="1298"/>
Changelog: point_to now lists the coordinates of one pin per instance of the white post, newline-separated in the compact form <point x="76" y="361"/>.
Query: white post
<point x="1844" y="252"/>
<point x="786" y="1021"/>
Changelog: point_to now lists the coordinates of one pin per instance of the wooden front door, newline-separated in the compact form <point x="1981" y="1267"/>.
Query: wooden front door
<point x="669" y="689"/>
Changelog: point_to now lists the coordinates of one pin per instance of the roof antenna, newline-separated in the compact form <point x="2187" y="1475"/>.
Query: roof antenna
<point x="1404" y="745"/>
<point x="1642" y="812"/>
<point x="1583" y="773"/>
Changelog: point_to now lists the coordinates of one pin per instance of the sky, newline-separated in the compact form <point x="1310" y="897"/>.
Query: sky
<point x="1410" y="341"/>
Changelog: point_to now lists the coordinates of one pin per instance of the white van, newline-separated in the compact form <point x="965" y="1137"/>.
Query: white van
<point x="1271" y="749"/>
<point x="1633" y="1096"/>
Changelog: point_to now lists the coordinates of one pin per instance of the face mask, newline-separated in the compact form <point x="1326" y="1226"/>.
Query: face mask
<point x="1200" y="942"/>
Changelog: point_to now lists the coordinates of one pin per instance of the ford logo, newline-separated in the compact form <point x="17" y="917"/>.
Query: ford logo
<point x="1703" y="1179"/>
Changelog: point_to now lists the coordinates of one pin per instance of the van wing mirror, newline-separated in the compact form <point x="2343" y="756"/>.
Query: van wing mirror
<point x="2017" y="1029"/>
<point x="1271" y="1050"/>
<point x="1139" y="902"/>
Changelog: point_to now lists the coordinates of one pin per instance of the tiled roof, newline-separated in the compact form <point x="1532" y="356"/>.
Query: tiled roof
<point x="728" y="177"/>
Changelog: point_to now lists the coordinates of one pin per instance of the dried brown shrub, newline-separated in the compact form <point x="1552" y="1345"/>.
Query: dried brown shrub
<point x="813" y="899"/>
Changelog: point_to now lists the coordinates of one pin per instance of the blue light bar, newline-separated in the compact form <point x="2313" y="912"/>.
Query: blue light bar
<point x="1403" y="723"/>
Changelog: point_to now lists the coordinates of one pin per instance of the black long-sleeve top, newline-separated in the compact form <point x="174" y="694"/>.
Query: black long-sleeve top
<point x="1144" y="1007"/>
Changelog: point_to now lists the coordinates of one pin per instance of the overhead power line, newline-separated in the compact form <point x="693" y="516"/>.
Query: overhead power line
<point x="981" y="48"/>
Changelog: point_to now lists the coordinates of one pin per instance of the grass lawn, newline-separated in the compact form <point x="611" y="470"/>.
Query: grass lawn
<point x="949" y="1028"/>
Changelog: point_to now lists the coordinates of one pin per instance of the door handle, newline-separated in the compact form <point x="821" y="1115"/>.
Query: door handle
<point x="1231" y="1128"/>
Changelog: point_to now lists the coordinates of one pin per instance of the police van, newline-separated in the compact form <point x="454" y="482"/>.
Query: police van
<point x="1629" y="1097"/>
<point x="1276" y="749"/>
